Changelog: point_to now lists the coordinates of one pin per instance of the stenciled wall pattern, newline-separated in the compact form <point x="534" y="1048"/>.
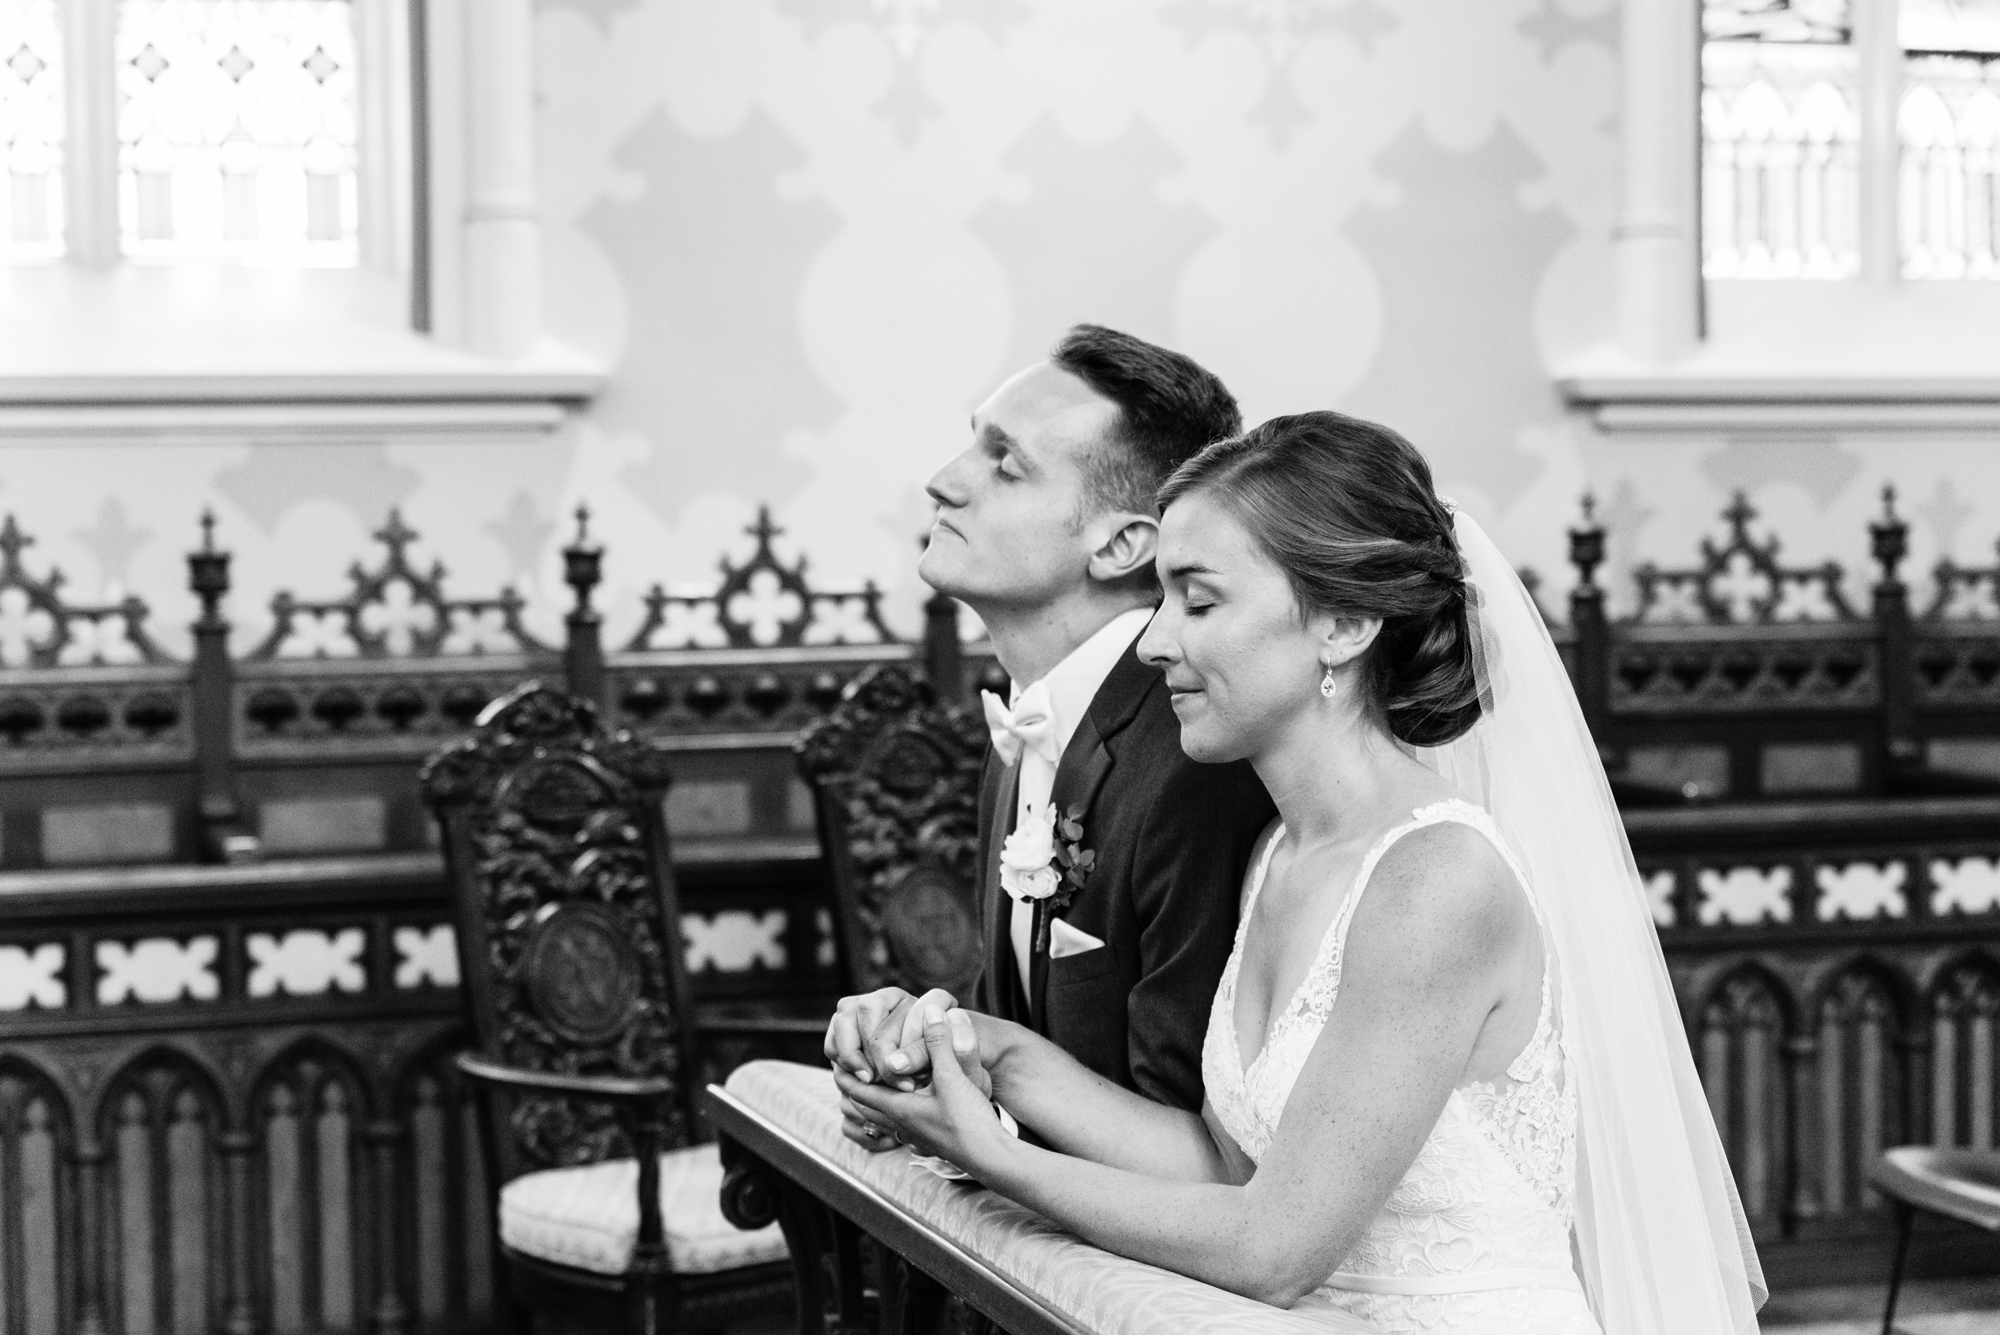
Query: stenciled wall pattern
<point x="808" y="236"/>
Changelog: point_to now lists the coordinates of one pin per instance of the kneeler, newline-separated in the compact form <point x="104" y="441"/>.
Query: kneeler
<point x="779" y="1123"/>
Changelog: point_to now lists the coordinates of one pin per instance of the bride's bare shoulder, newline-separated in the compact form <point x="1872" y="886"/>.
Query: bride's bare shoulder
<point x="1447" y="881"/>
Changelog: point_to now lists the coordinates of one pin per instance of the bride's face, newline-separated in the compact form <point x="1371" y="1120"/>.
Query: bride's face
<point x="1240" y="660"/>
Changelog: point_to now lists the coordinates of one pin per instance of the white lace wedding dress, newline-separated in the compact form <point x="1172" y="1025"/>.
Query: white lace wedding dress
<point x="1476" y="1237"/>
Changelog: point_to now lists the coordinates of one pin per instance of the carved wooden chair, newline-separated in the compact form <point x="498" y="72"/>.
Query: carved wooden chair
<point x="1956" y="1183"/>
<point x="895" y="775"/>
<point x="576" y="985"/>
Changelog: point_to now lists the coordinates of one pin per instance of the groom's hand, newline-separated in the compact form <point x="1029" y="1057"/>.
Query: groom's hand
<point x="912" y="1060"/>
<point x="954" y="1118"/>
<point x="879" y="1036"/>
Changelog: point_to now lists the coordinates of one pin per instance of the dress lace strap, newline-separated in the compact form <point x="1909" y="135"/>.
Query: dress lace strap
<point x="1461" y="812"/>
<point x="1315" y="995"/>
<point x="1253" y="887"/>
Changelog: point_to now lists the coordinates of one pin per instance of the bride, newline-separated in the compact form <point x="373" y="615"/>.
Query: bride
<point x="1447" y="1084"/>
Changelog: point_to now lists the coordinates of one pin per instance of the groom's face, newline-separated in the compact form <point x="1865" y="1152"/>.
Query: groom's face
<point x="1009" y="529"/>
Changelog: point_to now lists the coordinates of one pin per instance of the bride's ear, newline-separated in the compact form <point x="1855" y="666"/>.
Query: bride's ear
<point x="1345" y="638"/>
<point x="1127" y="547"/>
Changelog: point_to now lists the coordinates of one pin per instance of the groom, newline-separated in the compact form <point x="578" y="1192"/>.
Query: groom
<point x="1111" y="863"/>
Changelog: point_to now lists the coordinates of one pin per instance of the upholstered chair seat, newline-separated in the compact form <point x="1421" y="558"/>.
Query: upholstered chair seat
<point x="588" y="1217"/>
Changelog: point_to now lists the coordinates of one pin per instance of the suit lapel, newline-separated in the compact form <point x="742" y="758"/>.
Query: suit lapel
<point x="1086" y="763"/>
<point x="1000" y="965"/>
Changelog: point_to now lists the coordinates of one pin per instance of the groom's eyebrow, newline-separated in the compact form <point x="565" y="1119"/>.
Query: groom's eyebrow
<point x="998" y="440"/>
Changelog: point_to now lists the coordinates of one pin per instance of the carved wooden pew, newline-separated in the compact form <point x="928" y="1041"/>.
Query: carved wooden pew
<point x="1740" y="677"/>
<point x="267" y="1044"/>
<point x="1810" y="775"/>
<point x="1835" y="968"/>
<point x="779" y="1125"/>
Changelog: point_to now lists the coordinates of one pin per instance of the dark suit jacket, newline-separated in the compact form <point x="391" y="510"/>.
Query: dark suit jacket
<point x="1172" y="839"/>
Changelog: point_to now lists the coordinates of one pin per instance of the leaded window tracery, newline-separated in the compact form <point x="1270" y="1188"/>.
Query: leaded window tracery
<point x="238" y="130"/>
<point x="1814" y="110"/>
<point x="31" y="130"/>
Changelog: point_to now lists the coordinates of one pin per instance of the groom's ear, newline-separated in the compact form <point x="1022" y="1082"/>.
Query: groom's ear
<point x="1127" y="543"/>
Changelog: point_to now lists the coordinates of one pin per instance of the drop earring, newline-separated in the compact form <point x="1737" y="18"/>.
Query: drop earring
<point x="1326" y="686"/>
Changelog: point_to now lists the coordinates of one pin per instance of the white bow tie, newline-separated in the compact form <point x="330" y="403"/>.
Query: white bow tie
<point x="1029" y="725"/>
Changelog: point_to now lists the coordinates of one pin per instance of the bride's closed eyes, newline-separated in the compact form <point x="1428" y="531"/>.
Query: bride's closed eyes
<point x="1194" y="602"/>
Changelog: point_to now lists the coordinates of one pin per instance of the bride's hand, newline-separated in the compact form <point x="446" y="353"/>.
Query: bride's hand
<point x="952" y="1117"/>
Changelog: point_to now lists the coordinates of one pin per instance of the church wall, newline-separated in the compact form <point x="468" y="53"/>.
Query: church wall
<point x="807" y="236"/>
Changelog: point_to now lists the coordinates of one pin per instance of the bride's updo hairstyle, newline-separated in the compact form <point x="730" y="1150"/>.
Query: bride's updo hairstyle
<point x="1346" y="509"/>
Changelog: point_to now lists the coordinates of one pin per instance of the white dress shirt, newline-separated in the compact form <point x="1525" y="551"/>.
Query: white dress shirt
<point x="1072" y="684"/>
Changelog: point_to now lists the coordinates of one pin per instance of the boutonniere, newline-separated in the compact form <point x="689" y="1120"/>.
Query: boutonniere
<point x="1028" y="857"/>
<point x="1077" y="861"/>
<point x="1044" y="858"/>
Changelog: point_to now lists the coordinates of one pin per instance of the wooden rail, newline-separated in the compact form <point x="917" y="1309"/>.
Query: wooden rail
<point x="114" y="751"/>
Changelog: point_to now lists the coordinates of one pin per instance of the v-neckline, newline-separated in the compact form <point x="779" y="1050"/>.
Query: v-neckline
<point x="1236" y="965"/>
<point x="1294" y="1003"/>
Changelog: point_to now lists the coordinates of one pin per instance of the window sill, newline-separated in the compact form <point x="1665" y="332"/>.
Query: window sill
<point x="1813" y="359"/>
<point x="201" y="352"/>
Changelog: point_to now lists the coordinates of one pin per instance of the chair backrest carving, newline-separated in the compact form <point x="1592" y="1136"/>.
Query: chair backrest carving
<point x="896" y="776"/>
<point x="568" y="920"/>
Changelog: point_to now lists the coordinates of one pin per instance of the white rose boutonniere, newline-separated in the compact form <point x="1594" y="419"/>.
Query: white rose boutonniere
<point x="1027" y="858"/>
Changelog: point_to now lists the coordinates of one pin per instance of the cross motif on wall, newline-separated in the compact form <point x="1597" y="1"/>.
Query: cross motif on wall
<point x="906" y="22"/>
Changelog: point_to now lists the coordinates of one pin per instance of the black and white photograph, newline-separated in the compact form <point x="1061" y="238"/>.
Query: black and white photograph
<point x="999" y="667"/>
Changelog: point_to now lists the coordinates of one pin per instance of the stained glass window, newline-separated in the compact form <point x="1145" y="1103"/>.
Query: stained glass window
<point x="1948" y="127"/>
<point x="1780" y="140"/>
<point x="237" y="130"/>
<point x="31" y="130"/>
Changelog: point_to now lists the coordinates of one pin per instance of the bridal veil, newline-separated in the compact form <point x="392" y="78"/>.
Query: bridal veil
<point x="1662" y="1242"/>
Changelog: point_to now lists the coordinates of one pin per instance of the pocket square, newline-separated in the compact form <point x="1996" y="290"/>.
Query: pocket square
<point x="1065" y="940"/>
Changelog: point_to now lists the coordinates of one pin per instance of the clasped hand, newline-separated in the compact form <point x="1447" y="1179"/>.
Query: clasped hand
<point x="910" y="1072"/>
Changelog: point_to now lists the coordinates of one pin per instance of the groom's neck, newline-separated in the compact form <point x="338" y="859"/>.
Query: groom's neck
<point x="1030" y="641"/>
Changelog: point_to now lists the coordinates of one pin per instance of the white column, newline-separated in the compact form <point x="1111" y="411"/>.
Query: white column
<point x="90" y="169"/>
<point x="447" y="108"/>
<point x="1654" y="239"/>
<point x="503" y="258"/>
<point x="384" y="132"/>
<point x="1880" y="58"/>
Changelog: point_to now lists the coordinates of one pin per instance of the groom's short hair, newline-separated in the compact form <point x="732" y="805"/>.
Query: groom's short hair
<point x="1169" y="407"/>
